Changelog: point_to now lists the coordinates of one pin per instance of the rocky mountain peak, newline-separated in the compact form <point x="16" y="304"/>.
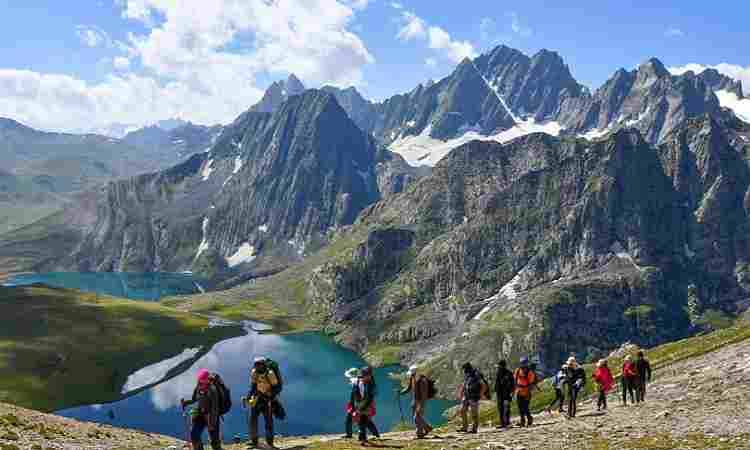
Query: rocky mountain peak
<point x="718" y="82"/>
<point x="277" y="93"/>
<point x="293" y="85"/>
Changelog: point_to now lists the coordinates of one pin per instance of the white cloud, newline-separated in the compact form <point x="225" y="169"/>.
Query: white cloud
<point x="198" y="60"/>
<point x="735" y="71"/>
<point x="121" y="62"/>
<point x="416" y="28"/>
<point x="430" y="62"/>
<point x="518" y="27"/>
<point x="674" y="32"/>
<point x="397" y="5"/>
<point x="92" y="36"/>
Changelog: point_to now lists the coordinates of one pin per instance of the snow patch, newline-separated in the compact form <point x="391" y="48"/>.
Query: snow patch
<point x="263" y="228"/>
<point x="424" y="150"/>
<point x="207" y="169"/>
<point x="595" y="133"/>
<point x="244" y="254"/>
<point x="156" y="372"/>
<point x="204" y="243"/>
<point x="740" y="107"/>
<point x="641" y="116"/>
<point x="509" y="290"/>
<point x="227" y="180"/>
<point x="411" y="123"/>
<point x="237" y="164"/>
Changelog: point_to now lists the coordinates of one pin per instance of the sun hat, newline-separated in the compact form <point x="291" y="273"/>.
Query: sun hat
<point x="412" y="370"/>
<point x="352" y="373"/>
<point x="572" y="361"/>
<point x="259" y="359"/>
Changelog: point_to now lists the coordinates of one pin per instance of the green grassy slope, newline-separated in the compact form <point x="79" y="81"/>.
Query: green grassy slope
<point x="60" y="348"/>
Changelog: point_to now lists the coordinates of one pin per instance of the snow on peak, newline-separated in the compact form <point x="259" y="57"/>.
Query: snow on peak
<point x="509" y="291"/>
<point x="424" y="150"/>
<point x="204" y="242"/>
<point x="740" y="107"/>
<point x="263" y="228"/>
<point x="244" y="254"/>
<point x="237" y="164"/>
<point x="207" y="169"/>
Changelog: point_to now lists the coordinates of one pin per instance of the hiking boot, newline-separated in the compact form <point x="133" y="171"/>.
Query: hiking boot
<point x="346" y="436"/>
<point x="462" y="430"/>
<point x="531" y="421"/>
<point x="473" y="431"/>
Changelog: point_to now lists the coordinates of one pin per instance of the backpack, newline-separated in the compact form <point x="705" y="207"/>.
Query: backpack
<point x="431" y="388"/>
<point x="273" y="365"/>
<point x="225" y="396"/>
<point x="484" y="387"/>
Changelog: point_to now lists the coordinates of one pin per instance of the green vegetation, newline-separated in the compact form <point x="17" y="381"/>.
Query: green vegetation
<point x="61" y="348"/>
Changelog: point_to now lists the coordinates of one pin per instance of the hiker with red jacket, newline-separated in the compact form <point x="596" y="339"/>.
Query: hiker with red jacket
<point x="629" y="380"/>
<point x="604" y="382"/>
<point x="419" y="386"/>
<point x="525" y="379"/>
<point x="207" y="414"/>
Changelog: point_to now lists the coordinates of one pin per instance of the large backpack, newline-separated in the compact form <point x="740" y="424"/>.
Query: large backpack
<point x="484" y="389"/>
<point x="273" y="365"/>
<point x="224" y="394"/>
<point x="431" y="388"/>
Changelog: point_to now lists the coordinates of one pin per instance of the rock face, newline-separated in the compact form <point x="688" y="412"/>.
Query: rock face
<point x="272" y="187"/>
<point x="278" y="93"/>
<point x="547" y="246"/>
<point x="649" y="99"/>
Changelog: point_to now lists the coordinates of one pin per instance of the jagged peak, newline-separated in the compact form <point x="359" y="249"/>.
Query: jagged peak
<point x="653" y="66"/>
<point x="293" y="85"/>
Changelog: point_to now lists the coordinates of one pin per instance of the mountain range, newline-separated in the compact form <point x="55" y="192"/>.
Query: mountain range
<point x="503" y="210"/>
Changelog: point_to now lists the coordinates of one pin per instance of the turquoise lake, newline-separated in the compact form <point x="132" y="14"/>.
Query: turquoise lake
<point x="313" y="365"/>
<point x="136" y="286"/>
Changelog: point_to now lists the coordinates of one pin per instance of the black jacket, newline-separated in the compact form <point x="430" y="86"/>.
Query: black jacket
<point x="504" y="384"/>
<point x="473" y="385"/>
<point x="576" y="374"/>
<point x="644" y="369"/>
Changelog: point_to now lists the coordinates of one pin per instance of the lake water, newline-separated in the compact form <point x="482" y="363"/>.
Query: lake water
<point x="315" y="389"/>
<point x="135" y="286"/>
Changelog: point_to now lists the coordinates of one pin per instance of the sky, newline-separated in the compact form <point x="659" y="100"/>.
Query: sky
<point x="83" y="65"/>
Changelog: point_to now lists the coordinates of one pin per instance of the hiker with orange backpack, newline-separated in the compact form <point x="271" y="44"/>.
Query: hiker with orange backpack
<point x="525" y="379"/>
<point x="629" y="380"/>
<point x="604" y="382"/>
<point x="211" y="405"/>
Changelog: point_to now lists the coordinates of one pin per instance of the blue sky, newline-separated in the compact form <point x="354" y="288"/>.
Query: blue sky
<point x="81" y="65"/>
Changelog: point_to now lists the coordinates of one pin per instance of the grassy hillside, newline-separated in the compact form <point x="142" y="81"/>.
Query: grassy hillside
<point x="60" y="348"/>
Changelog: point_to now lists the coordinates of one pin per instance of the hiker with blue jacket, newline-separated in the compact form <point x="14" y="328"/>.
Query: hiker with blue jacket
<point x="559" y="382"/>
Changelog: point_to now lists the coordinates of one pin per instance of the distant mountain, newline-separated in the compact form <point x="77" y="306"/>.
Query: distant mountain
<point x="278" y="93"/>
<point x="167" y="146"/>
<point x="171" y="124"/>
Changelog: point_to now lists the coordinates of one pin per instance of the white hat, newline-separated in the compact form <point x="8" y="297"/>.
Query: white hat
<point x="352" y="373"/>
<point x="572" y="361"/>
<point x="412" y="370"/>
<point x="259" y="359"/>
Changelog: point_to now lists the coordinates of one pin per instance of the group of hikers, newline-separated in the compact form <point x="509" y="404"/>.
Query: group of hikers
<point x="214" y="399"/>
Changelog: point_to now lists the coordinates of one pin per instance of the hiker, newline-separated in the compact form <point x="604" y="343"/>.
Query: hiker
<point x="629" y="380"/>
<point x="353" y="376"/>
<point x="471" y="393"/>
<point x="559" y="382"/>
<point x="419" y="386"/>
<point x="644" y="376"/>
<point x="604" y="382"/>
<point x="525" y="379"/>
<point x="576" y="381"/>
<point x="264" y="387"/>
<point x="504" y="386"/>
<point x="207" y="413"/>
<point x="365" y="404"/>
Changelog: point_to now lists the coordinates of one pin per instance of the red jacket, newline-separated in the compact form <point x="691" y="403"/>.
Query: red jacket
<point x="603" y="377"/>
<point x="629" y="370"/>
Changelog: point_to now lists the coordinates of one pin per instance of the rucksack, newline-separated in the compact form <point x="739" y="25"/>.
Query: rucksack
<point x="431" y="388"/>
<point x="485" y="391"/>
<point x="273" y="365"/>
<point x="224" y="394"/>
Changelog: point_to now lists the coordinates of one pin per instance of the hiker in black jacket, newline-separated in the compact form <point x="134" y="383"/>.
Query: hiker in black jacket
<point x="504" y="387"/>
<point x="471" y="393"/>
<point x="644" y="377"/>
<point x="206" y="414"/>
<point x="576" y="381"/>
